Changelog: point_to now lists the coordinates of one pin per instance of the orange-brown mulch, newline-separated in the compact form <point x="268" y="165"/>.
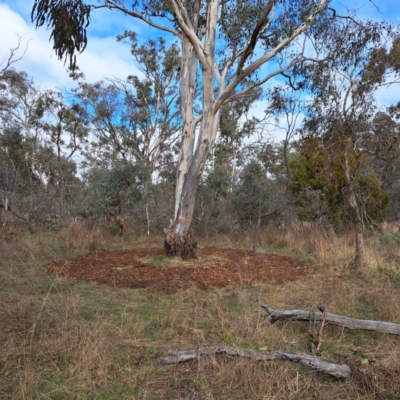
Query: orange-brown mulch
<point x="149" y="268"/>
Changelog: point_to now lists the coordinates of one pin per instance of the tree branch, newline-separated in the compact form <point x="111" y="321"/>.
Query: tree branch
<point x="137" y="15"/>
<point x="11" y="58"/>
<point x="351" y="323"/>
<point x="336" y="370"/>
<point x="8" y="208"/>
<point x="255" y="35"/>
<point x="268" y="77"/>
<point x="241" y="75"/>
<point x="188" y="32"/>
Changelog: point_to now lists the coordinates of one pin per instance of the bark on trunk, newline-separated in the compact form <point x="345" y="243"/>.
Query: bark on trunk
<point x="257" y="226"/>
<point x="184" y="245"/>
<point x="357" y="219"/>
<point x="180" y="238"/>
<point x="359" y="258"/>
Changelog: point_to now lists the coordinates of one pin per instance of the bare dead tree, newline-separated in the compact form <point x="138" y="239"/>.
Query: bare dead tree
<point x="13" y="56"/>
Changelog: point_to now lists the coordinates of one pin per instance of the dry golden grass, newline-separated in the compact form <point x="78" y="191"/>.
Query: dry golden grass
<point x="68" y="340"/>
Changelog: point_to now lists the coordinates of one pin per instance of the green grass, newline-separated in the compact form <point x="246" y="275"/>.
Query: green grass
<point x="160" y="260"/>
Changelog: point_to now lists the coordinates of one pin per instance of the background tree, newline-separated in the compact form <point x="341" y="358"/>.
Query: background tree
<point x="214" y="196"/>
<point x="136" y="119"/>
<point x="113" y="194"/>
<point x="16" y="54"/>
<point x="21" y="135"/>
<point x="39" y="135"/>
<point x="341" y="114"/>
<point x="387" y="126"/>
<point x="319" y="186"/>
<point x="256" y="198"/>
<point x="250" y="34"/>
<point x="65" y="134"/>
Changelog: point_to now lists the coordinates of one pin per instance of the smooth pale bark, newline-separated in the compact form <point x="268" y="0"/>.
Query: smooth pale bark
<point x="336" y="370"/>
<point x="198" y="48"/>
<point x="179" y="239"/>
<point x="346" y="322"/>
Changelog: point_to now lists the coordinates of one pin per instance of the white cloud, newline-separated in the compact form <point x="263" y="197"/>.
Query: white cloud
<point x="386" y="96"/>
<point x="103" y="57"/>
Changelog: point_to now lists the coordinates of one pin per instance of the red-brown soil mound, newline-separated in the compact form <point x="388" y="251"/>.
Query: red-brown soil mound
<point x="150" y="268"/>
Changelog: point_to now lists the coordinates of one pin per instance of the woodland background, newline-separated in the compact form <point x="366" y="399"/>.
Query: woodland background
<point x="93" y="169"/>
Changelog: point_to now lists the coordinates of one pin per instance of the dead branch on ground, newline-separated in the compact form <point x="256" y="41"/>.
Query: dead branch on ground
<point x="336" y="370"/>
<point x="346" y="322"/>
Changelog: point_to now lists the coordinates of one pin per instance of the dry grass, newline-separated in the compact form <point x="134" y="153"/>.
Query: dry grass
<point x="68" y="340"/>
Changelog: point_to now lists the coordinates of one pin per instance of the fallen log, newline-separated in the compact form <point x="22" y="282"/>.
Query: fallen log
<point x="346" y="322"/>
<point x="336" y="370"/>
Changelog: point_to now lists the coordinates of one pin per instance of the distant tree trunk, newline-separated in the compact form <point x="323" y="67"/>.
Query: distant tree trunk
<point x="257" y="227"/>
<point x="147" y="218"/>
<point x="357" y="219"/>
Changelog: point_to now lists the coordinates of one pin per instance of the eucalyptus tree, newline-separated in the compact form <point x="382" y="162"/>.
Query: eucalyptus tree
<point x="113" y="194"/>
<point x="224" y="45"/>
<point x="237" y="131"/>
<point x="256" y="199"/>
<point x="386" y="127"/>
<point x="20" y="136"/>
<point x="135" y="119"/>
<point x="65" y="133"/>
<point x="39" y="135"/>
<point x="360" y="59"/>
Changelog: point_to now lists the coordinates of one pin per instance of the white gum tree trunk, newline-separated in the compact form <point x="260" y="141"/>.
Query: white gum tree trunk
<point x="179" y="238"/>
<point x="198" y="48"/>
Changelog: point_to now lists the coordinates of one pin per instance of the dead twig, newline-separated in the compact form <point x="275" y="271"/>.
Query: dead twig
<point x="321" y="329"/>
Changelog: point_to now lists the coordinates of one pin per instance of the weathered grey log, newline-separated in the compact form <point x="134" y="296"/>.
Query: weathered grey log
<point x="346" y="322"/>
<point x="336" y="370"/>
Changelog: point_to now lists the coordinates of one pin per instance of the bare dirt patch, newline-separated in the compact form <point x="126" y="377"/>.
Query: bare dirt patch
<point x="150" y="268"/>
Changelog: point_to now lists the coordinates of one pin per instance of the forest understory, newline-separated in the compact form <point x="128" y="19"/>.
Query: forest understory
<point x="71" y="338"/>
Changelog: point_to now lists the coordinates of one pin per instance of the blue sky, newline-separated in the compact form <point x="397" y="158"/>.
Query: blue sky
<point x="104" y="57"/>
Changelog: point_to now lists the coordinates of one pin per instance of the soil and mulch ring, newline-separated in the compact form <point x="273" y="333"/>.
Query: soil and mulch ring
<point x="150" y="268"/>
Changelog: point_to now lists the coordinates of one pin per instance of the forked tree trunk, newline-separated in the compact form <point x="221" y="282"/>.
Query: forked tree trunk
<point x="180" y="238"/>
<point x="198" y="47"/>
